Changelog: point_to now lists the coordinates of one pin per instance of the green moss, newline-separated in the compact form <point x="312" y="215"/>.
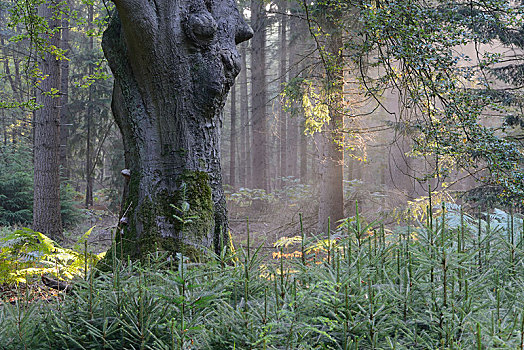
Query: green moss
<point x="187" y="238"/>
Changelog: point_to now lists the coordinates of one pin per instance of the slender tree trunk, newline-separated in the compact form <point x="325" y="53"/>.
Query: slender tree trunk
<point x="241" y="134"/>
<point x="19" y="88"/>
<point x="3" y="117"/>
<point x="332" y="150"/>
<point x="5" y="62"/>
<point x="292" y="134"/>
<point x="89" y="120"/>
<point x="273" y="162"/>
<point x="283" y="72"/>
<point x="102" y="166"/>
<point x="246" y="158"/>
<point x="174" y="63"/>
<point x="233" y="141"/>
<point x="303" y="155"/>
<point x="46" y="206"/>
<point x="258" y="95"/>
<point x="14" y="80"/>
<point x="89" y="159"/>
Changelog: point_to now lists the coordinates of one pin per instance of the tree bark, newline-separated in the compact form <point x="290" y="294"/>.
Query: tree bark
<point x="283" y="72"/>
<point x="46" y="206"/>
<point x="89" y="120"/>
<point x="303" y="155"/>
<point x="292" y="135"/>
<point x="64" y="99"/>
<point x="174" y="63"/>
<point x="233" y="140"/>
<point x="242" y="133"/>
<point x="246" y="157"/>
<point x="258" y="95"/>
<point x="332" y="150"/>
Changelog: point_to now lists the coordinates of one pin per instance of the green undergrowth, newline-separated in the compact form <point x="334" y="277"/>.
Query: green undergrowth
<point x="16" y="189"/>
<point x="454" y="281"/>
<point x="26" y="255"/>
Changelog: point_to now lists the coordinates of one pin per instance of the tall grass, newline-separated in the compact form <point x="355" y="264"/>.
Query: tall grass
<point x="454" y="282"/>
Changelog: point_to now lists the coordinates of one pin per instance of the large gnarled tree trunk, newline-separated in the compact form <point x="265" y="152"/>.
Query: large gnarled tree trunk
<point x="173" y="62"/>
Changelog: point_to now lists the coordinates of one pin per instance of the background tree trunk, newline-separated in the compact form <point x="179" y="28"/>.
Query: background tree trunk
<point x="331" y="203"/>
<point x="303" y="155"/>
<point x="89" y="121"/>
<point x="246" y="120"/>
<point x="242" y="133"/>
<point x="64" y="99"/>
<point x="258" y="95"/>
<point x="292" y="134"/>
<point x="233" y="141"/>
<point x="46" y="206"/>
<point x="173" y="65"/>
<point x="283" y="80"/>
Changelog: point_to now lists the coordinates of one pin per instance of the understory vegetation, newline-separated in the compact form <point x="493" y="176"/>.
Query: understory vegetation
<point x="26" y="255"/>
<point x="447" y="280"/>
<point x="16" y="189"/>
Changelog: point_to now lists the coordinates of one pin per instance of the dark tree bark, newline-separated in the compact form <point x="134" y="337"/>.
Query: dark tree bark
<point x="283" y="72"/>
<point x="173" y="62"/>
<point x="258" y="95"/>
<point x="46" y="206"/>
<point x="64" y="99"/>
<point x="233" y="140"/>
<point x="89" y="168"/>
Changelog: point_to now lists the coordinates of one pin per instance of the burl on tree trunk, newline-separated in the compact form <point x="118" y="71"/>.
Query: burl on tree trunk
<point x="174" y="62"/>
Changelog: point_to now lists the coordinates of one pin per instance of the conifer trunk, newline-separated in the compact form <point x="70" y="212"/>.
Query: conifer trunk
<point x="303" y="155"/>
<point x="46" y="205"/>
<point x="246" y="120"/>
<point x="332" y="150"/>
<point x="89" y="121"/>
<point x="258" y="95"/>
<point x="64" y="99"/>
<point x="233" y="141"/>
<point x="283" y="73"/>
<point x="292" y="132"/>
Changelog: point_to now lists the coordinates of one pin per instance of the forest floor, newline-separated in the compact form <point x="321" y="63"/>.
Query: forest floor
<point x="104" y="222"/>
<point x="267" y="224"/>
